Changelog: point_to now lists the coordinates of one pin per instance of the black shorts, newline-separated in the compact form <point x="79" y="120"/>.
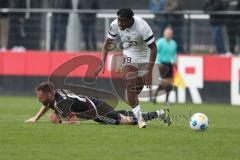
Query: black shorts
<point x="106" y="113"/>
<point x="166" y="70"/>
<point x="112" y="118"/>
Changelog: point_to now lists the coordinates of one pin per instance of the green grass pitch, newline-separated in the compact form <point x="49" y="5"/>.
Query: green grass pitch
<point x="89" y="140"/>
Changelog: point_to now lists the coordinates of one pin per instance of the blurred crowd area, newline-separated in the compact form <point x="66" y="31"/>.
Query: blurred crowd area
<point x="206" y="26"/>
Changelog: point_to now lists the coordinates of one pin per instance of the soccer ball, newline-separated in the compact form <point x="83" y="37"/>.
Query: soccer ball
<point x="199" y="122"/>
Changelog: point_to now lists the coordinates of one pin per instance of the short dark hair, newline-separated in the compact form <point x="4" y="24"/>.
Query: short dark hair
<point x="125" y="13"/>
<point x="45" y="87"/>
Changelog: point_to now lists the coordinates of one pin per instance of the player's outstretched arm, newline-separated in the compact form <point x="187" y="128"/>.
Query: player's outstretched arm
<point x="40" y="113"/>
<point x="105" y="48"/>
<point x="57" y="120"/>
<point x="148" y="76"/>
<point x="70" y="122"/>
<point x="153" y="55"/>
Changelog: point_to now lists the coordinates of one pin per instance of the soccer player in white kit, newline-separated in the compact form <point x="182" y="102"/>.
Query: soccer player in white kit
<point x="139" y="50"/>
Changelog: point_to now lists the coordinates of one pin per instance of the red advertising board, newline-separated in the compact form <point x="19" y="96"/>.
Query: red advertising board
<point x="198" y="71"/>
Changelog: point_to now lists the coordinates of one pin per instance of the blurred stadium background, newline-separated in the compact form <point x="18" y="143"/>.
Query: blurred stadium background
<point x="39" y="36"/>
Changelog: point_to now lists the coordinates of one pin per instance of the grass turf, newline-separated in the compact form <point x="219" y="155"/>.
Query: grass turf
<point x="90" y="140"/>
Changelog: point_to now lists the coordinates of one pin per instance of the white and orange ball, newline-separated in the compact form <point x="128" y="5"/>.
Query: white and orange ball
<point x="199" y="122"/>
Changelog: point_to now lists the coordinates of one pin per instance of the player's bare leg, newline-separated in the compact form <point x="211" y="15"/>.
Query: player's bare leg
<point x="166" y="86"/>
<point x="131" y="76"/>
<point x="126" y="120"/>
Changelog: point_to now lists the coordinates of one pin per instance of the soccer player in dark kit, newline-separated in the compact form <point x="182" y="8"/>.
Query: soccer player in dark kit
<point x="69" y="108"/>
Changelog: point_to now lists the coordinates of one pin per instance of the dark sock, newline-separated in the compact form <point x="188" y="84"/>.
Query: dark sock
<point x="168" y="89"/>
<point x="149" y="116"/>
<point x="135" y="121"/>
<point x="126" y="113"/>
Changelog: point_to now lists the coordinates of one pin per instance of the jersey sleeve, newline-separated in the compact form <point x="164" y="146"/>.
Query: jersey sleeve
<point x="147" y="33"/>
<point x="113" y="30"/>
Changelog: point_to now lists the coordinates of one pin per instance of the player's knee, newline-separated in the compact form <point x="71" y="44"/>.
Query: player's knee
<point x="139" y="89"/>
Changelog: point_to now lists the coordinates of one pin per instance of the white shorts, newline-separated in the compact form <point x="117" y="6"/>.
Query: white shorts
<point x="142" y="67"/>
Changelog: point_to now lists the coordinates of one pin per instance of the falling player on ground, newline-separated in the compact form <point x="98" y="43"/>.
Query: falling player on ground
<point x="69" y="108"/>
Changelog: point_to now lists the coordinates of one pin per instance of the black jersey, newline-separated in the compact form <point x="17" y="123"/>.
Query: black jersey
<point x="67" y="104"/>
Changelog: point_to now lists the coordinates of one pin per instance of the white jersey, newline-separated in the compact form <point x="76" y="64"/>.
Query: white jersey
<point x="135" y="40"/>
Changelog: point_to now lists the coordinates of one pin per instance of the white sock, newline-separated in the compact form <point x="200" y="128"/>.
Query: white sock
<point x="137" y="112"/>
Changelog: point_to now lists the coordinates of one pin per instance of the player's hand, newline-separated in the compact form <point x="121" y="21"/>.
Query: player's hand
<point x="31" y="120"/>
<point x="100" y="68"/>
<point x="147" y="78"/>
<point x="54" y="118"/>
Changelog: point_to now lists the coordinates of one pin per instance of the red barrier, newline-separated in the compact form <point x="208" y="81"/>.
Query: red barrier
<point x="38" y="63"/>
<point x="217" y="68"/>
